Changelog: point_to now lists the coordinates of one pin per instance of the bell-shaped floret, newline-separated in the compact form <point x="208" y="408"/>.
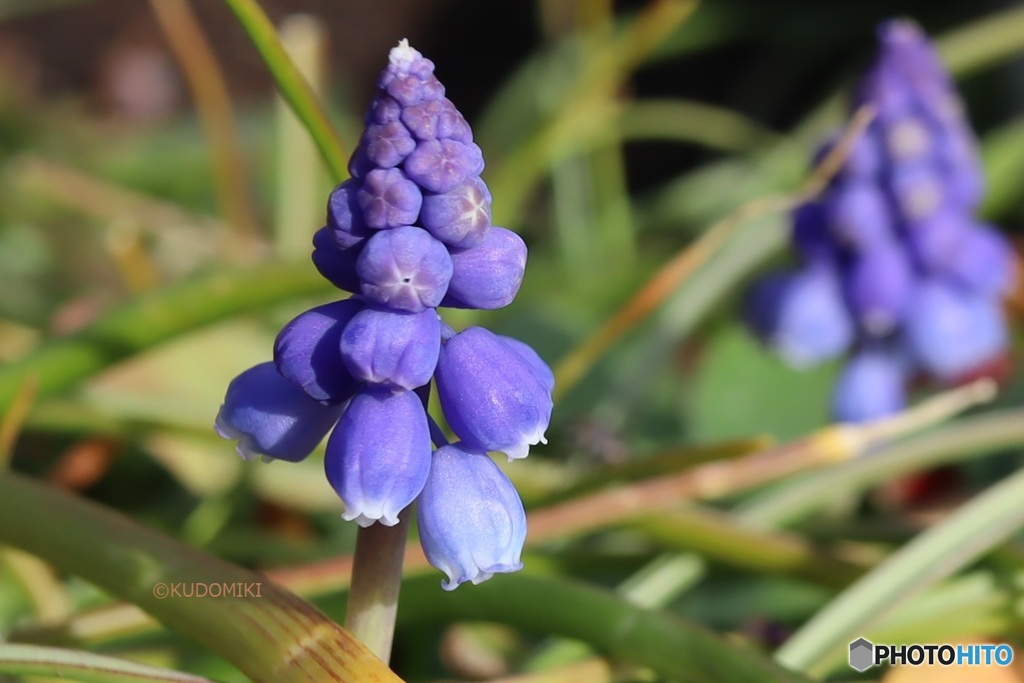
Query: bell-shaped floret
<point x="271" y="417"/>
<point x="488" y="275"/>
<point x="983" y="261"/>
<point x="859" y="216"/>
<point x="306" y="351"/>
<point x="491" y="395"/>
<point x="541" y="370"/>
<point x="871" y="386"/>
<point x="950" y="331"/>
<point x="404" y="268"/>
<point x="471" y="521"/>
<point x="801" y="315"/>
<point x="345" y="217"/>
<point x="378" y="456"/>
<point x="878" y="285"/>
<point x="338" y="266"/>
<point x="391" y="348"/>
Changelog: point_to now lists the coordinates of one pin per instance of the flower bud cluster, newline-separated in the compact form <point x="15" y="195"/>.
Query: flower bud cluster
<point x="409" y="232"/>
<point x="896" y="271"/>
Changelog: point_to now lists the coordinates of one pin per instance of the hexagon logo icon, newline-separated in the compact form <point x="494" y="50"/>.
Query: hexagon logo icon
<point x="862" y="654"/>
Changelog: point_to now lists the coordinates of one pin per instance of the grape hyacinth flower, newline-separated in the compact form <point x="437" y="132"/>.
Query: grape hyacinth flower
<point x="409" y="232"/>
<point x="920" y="278"/>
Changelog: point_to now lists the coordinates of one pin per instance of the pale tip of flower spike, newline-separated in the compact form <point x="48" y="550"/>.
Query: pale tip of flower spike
<point x="403" y="55"/>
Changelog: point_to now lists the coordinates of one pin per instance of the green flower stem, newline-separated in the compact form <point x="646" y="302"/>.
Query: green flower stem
<point x="271" y="635"/>
<point x="376" y="580"/>
<point x="293" y="86"/>
<point x="136" y="326"/>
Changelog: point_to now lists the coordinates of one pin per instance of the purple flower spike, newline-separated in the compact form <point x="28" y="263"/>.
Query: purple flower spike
<point x="443" y="165"/>
<point x="491" y="395"/>
<point x="488" y="276"/>
<point x="306" y="351"/>
<point x="541" y="370"/>
<point x="459" y="218"/>
<point x="344" y="217"/>
<point x="878" y="288"/>
<point x="871" y="386"/>
<point x="801" y="315"/>
<point x="271" y="417"/>
<point x="859" y="216"/>
<point x="951" y="332"/>
<point x="387" y="145"/>
<point x="471" y="520"/>
<point x="338" y="266"/>
<point x="392" y="348"/>
<point x="378" y="456"/>
<point x="405" y="268"/>
<point x="389" y="199"/>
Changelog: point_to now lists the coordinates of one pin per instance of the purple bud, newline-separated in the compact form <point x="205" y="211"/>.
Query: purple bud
<point x="387" y="145"/>
<point x="270" y="416"/>
<point x="918" y="191"/>
<point x="437" y="119"/>
<point x="442" y="165"/>
<point x="344" y="217"/>
<point x="392" y="348"/>
<point x="383" y="109"/>
<point x="951" y="332"/>
<point x="405" y="268"/>
<point x="471" y="520"/>
<point x="491" y="395"/>
<point x="378" y="456"/>
<point x="389" y="199"/>
<point x="934" y="241"/>
<point x="964" y="176"/>
<point x="541" y="370"/>
<point x="338" y="266"/>
<point x="859" y="215"/>
<point x="983" y="261"/>
<point x="908" y="139"/>
<point x="810" y="234"/>
<point x="871" y="386"/>
<point x="801" y="315"/>
<point x="459" y="218"/>
<point x="878" y="287"/>
<point x="488" y="275"/>
<point x="307" y="351"/>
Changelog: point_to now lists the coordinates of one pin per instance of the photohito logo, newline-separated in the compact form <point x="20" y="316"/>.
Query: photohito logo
<point x="864" y="654"/>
